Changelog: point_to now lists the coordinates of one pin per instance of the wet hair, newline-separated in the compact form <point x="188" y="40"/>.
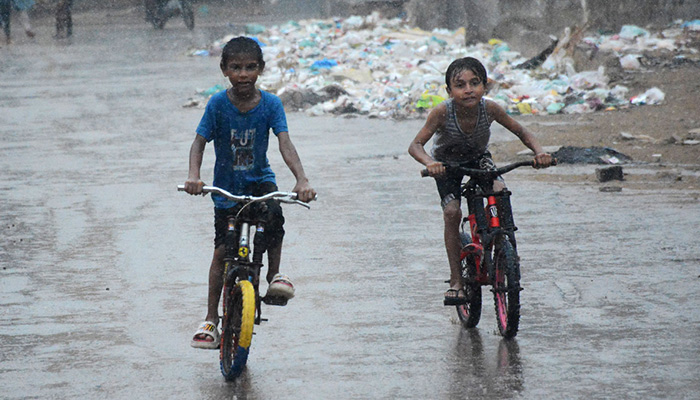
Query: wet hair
<point x="242" y="45"/>
<point x="465" y="64"/>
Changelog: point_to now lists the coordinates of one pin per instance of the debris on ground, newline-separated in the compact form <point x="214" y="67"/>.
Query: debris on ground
<point x="607" y="174"/>
<point x="387" y="69"/>
<point x="642" y="138"/>
<point x="672" y="175"/>
<point x="691" y="139"/>
<point x="590" y="155"/>
<point x="540" y="58"/>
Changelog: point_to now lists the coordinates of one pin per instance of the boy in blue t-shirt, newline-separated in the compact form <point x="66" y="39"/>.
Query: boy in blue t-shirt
<point x="239" y="121"/>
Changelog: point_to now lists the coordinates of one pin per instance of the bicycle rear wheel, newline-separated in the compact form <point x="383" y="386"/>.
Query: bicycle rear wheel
<point x="237" y="328"/>
<point x="506" y="288"/>
<point x="469" y="313"/>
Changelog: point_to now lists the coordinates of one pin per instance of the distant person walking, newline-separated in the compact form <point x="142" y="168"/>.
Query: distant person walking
<point x="64" y="19"/>
<point x="5" y="14"/>
<point x="23" y="7"/>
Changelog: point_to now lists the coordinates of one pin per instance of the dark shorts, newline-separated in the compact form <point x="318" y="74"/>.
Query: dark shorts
<point x="274" y="220"/>
<point x="450" y="185"/>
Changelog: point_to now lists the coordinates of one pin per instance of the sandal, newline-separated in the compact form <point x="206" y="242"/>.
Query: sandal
<point x="453" y="298"/>
<point x="206" y="337"/>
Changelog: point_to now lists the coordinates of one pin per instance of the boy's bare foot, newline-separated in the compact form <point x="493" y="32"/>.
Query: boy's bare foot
<point x="454" y="297"/>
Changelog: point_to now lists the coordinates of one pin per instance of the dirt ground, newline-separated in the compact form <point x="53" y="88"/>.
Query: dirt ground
<point x="677" y="164"/>
<point x="676" y="116"/>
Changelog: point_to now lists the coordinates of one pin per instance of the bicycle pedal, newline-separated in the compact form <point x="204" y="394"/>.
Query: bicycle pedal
<point x="274" y="301"/>
<point x="505" y="290"/>
<point x="455" y="302"/>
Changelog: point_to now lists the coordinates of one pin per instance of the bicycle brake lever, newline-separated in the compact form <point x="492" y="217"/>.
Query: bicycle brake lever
<point x="289" y="200"/>
<point x="301" y="203"/>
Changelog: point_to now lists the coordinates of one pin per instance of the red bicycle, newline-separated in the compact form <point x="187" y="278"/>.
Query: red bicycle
<point x="489" y="255"/>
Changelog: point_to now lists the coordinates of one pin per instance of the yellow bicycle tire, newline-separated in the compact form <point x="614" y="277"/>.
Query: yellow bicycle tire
<point x="248" y="314"/>
<point x="234" y="349"/>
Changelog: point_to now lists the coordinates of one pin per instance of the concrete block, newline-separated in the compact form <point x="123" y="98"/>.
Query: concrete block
<point x="606" y="174"/>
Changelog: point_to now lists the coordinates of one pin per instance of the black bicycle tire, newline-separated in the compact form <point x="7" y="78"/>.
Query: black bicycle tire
<point x="469" y="314"/>
<point x="506" y="294"/>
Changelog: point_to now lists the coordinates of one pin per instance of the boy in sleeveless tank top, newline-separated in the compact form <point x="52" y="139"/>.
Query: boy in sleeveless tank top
<point x="460" y="129"/>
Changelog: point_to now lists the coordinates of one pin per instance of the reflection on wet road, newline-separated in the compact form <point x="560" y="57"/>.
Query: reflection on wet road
<point x="104" y="264"/>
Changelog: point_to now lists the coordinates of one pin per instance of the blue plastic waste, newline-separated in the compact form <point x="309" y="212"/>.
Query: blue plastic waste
<point x="325" y="63"/>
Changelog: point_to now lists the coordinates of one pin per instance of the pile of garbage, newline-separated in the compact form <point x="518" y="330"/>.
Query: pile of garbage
<point x="382" y="68"/>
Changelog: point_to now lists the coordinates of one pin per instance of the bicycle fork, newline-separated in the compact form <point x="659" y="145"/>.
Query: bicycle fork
<point x="256" y="264"/>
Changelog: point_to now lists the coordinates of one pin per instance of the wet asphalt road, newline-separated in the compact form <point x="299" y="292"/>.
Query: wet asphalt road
<point x="104" y="264"/>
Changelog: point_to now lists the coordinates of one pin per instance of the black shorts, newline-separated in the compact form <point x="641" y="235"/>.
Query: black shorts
<point x="274" y="220"/>
<point x="449" y="186"/>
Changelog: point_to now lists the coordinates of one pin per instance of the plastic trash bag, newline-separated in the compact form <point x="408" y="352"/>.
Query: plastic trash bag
<point x="427" y="100"/>
<point x="651" y="96"/>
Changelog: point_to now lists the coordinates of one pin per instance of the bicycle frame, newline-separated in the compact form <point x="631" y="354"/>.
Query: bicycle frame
<point x="238" y="264"/>
<point x="490" y="216"/>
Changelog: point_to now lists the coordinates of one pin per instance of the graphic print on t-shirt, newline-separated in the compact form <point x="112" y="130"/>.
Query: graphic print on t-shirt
<point x="242" y="148"/>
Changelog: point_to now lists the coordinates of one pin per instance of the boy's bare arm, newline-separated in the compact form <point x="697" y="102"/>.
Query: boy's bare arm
<point x="194" y="183"/>
<point x="291" y="158"/>
<point x="542" y="159"/>
<point x="417" y="147"/>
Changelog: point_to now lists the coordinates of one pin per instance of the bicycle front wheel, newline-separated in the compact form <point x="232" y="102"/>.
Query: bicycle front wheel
<point x="469" y="313"/>
<point x="237" y="328"/>
<point x="506" y="288"/>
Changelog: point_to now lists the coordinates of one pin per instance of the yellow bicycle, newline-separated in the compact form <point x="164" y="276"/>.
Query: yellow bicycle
<point x="242" y="264"/>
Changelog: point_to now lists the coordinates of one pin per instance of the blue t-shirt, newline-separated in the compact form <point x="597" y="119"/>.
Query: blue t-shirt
<point x="240" y="142"/>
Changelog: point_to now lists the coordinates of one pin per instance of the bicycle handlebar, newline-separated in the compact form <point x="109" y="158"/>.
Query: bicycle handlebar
<point x="486" y="173"/>
<point x="284" y="197"/>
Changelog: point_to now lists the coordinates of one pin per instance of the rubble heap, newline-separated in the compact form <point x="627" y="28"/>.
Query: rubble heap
<point x="383" y="68"/>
